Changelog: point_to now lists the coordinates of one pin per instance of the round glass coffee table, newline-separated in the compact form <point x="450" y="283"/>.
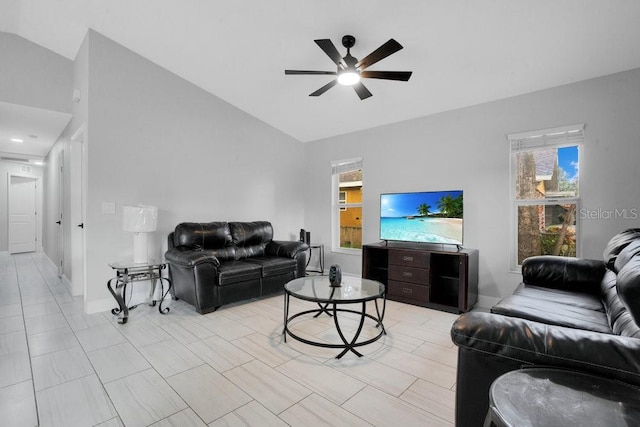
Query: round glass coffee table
<point x="353" y="290"/>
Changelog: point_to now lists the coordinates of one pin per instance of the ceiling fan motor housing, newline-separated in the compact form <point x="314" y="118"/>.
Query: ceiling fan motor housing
<point x="348" y="41"/>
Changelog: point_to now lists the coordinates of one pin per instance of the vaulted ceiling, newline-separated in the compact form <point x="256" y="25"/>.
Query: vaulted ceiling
<point x="461" y="52"/>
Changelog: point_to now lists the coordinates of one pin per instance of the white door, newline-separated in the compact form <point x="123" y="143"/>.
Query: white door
<point x="22" y="214"/>
<point x="60" y="234"/>
<point x="77" y="175"/>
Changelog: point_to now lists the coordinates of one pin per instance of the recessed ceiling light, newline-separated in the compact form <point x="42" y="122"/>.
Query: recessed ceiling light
<point x="38" y="163"/>
<point x="16" y="140"/>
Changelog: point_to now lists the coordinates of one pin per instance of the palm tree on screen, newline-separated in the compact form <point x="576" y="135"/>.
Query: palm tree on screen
<point x="423" y="209"/>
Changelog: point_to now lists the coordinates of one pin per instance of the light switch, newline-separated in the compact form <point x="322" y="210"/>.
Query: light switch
<point x="108" y="208"/>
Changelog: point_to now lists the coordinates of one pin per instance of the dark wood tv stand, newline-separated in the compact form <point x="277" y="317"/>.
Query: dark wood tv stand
<point x="415" y="274"/>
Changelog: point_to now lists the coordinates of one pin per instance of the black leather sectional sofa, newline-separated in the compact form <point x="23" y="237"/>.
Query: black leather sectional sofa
<point x="217" y="263"/>
<point x="568" y="313"/>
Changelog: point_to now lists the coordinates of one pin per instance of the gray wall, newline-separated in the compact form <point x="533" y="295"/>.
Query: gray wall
<point x="154" y="138"/>
<point x="467" y="149"/>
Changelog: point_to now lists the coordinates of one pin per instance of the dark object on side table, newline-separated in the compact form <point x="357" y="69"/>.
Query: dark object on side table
<point x="569" y="313"/>
<point x="335" y="276"/>
<point x="217" y="263"/>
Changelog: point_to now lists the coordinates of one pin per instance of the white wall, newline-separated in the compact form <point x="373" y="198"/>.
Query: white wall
<point x="33" y="75"/>
<point x="467" y="149"/>
<point x="154" y="138"/>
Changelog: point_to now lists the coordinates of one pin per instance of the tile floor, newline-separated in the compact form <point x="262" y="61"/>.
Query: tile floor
<point x="60" y="367"/>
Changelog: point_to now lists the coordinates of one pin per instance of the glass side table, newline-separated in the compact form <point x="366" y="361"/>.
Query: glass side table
<point x="128" y="272"/>
<point x="555" y="397"/>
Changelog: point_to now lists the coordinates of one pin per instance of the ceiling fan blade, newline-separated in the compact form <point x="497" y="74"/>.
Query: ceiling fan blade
<point x="382" y="52"/>
<point x="324" y="88"/>
<point x="387" y="75"/>
<point x="362" y="91"/>
<point x="330" y="49"/>
<point x="332" y="73"/>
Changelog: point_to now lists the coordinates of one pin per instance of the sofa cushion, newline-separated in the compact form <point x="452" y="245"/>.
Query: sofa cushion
<point x="555" y="307"/>
<point x="620" y="319"/>
<point x="632" y="250"/>
<point x="273" y="266"/>
<point x="566" y="273"/>
<point x="617" y="244"/>
<point x="629" y="287"/>
<point x="202" y="235"/>
<point x="237" y="271"/>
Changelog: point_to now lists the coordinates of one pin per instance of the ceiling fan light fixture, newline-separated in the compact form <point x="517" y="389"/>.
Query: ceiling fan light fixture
<point x="348" y="77"/>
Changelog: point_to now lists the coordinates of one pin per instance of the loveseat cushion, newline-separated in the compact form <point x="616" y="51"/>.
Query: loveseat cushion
<point x="250" y="238"/>
<point x="237" y="271"/>
<point x="202" y="235"/>
<point x="273" y="266"/>
<point x="555" y="307"/>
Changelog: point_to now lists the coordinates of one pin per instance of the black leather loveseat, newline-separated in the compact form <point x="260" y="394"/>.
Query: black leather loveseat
<point x="568" y="313"/>
<point x="217" y="263"/>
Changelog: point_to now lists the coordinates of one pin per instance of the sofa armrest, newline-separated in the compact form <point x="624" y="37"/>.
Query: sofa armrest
<point x="287" y="249"/>
<point x="534" y="343"/>
<point x="189" y="258"/>
<point x="567" y="273"/>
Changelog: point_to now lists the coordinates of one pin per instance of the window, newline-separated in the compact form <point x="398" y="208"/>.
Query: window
<point x="545" y="192"/>
<point x="342" y="199"/>
<point x="346" y="178"/>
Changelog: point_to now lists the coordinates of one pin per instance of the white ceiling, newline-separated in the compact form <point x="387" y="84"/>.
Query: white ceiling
<point x="37" y="129"/>
<point x="461" y="52"/>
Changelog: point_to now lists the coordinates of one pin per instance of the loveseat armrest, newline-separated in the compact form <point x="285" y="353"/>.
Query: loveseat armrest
<point x="567" y="273"/>
<point x="189" y="258"/>
<point x="534" y="343"/>
<point x="287" y="249"/>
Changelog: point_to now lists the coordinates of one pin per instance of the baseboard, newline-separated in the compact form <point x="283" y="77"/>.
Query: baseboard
<point x="99" y="306"/>
<point x="67" y="284"/>
<point x="50" y="261"/>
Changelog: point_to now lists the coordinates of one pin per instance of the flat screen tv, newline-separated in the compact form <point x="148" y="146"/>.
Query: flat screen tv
<point x="422" y="217"/>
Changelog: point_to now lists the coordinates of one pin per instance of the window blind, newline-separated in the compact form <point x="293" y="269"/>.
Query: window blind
<point x="566" y="135"/>
<point x="346" y="166"/>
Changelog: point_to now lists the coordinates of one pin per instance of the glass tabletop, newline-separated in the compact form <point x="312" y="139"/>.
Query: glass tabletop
<point x="353" y="289"/>
<point x="129" y="264"/>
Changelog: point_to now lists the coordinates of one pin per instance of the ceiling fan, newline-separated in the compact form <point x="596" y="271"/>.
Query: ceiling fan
<point x="350" y="71"/>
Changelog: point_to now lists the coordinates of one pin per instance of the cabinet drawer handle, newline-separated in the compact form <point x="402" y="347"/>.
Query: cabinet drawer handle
<point x="407" y="258"/>
<point x="407" y="274"/>
<point x="407" y="290"/>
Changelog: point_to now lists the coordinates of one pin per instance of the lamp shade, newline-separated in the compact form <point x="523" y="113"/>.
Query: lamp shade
<point x="139" y="219"/>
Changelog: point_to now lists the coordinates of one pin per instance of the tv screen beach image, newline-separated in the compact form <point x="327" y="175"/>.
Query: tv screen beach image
<point x="425" y="217"/>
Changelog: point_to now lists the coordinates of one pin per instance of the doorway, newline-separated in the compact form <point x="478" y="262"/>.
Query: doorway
<point x="23" y="227"/>
<point x="77" y="196"/>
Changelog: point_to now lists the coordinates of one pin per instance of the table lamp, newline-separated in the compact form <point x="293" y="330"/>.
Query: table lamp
<point x="140" y="220"/>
